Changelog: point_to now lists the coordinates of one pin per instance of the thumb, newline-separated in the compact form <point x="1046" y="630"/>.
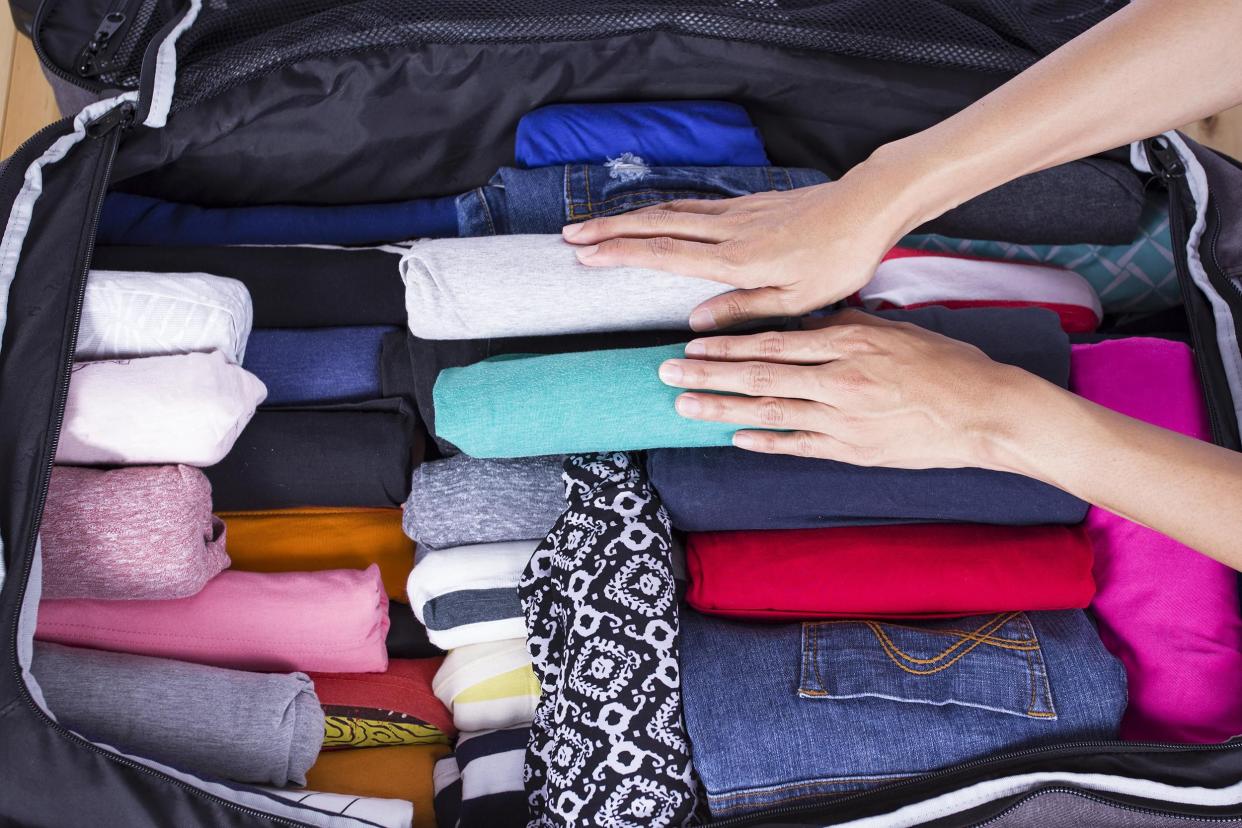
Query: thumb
<point x="738" y="306"/>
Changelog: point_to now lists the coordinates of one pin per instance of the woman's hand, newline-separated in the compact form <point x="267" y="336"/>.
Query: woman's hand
<point x="789" y="252"/>
<point x="859" y="389"/>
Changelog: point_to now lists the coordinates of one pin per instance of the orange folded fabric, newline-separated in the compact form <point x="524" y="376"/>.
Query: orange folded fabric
<point x="315" y="538"/>
<point x="388" y="772"/>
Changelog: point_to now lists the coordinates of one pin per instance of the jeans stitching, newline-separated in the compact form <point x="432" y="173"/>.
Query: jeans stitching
<point x="1051" y="712"/>
<point x="890" y="648"/>
<point x="487" y="212"/>
<point x="599" y="207"/>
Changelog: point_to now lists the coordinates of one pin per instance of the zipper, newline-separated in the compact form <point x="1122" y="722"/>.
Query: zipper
<point x="1121" y="806"/>
<point x="109" y="126"/>
<point x="90" y="60"/>
<point x="1166" y="163"/>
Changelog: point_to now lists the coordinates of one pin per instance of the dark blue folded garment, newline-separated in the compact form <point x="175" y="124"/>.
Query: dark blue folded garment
<point x="317" y="365"/>
<point x="726" y="488"/>
<point x="134" y="219"/>
<point x="661" y="133"/>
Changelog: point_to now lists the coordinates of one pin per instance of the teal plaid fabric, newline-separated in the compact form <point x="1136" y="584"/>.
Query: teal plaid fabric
<point x="1135" y="277"/>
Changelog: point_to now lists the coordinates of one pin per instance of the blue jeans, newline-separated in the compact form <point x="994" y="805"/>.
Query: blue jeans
<point x="545" y="199"/>
<point x="789" y="712"/>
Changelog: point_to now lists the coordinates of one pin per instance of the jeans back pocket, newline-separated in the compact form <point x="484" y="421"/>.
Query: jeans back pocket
<point x="992" y="662"/>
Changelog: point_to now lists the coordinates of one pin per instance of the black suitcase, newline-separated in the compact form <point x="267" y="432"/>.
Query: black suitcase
<point x="315" y="101"/>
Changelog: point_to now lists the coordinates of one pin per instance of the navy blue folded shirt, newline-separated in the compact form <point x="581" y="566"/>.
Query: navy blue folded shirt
<point x="715" y="489"/>
<point x="317" y="365"/>
<point x="661" y="133"/>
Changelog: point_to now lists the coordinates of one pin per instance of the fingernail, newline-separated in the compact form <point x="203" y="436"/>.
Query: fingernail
<point x="688" y="406"/>
<point x="586" y="252"/>
<point x="570" y="230"/>
<point x="702" y="320"/>
<point x="696" y="347"/>
<point x="744" y="440"/>
<point x="670" y="372"/>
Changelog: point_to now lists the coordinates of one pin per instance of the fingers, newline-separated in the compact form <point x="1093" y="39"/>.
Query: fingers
<point x="847" y="316"/>
<point x="760" y="412"/>
<point x="689" y="258"/>
<point x="787" y="347"/>
<point x="690" y="220"/>
<point x="739" y="306"/>
<point x="799" y="444"/>
<point x="754" y="379"/>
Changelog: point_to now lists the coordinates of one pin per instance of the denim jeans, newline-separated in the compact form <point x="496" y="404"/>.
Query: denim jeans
<point x="789" y="712"/>
<point x="545" y="199"/>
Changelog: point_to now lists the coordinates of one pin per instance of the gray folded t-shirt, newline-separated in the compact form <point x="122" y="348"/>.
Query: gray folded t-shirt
<point x="249" y="727"/>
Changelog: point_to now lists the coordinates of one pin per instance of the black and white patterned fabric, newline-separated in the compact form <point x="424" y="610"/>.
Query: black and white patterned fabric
<point x="607" y="747"/>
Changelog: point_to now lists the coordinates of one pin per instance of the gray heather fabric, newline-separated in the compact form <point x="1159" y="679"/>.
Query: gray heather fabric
<point x="1091" y="811"/>
<point x="533" y="285"/>
<point x="463" y="500"/>
<point x="249" y="727"/>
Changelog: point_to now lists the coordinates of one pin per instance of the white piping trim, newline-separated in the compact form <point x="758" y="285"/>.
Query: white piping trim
<point x="166" y="69"/>
<point x="982" y="793"/>
<point x="1226" y="333"/>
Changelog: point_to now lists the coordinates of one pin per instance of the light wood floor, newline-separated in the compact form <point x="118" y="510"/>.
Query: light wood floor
<point x="27" y="105"/>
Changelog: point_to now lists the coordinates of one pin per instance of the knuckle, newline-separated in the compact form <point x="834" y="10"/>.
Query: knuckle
<point x="656" y="218"/>
<point x="661" y="247"/>
<point x="758" y="376"/>
<point x="772" y="344"/>
<point x="773" y="412"/>
<point x="734" y="309"/>
<point x="733" y="252"/>
<point x="804" y="444"/>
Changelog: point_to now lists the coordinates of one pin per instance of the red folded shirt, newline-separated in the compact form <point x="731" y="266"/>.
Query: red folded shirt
<point x="898" y="571"/>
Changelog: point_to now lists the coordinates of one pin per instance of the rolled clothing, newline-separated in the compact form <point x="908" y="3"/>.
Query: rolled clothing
<point x="314" y="538"/>
<point x="914" y="279"/>
<point x="137" y="533"/>
<point x="290" y="287"/>
<point x="661" y="133"/>
<point x="136" y="219"/>
<point x="317" y="365"/>
<point x="488" y="686"/>
<point x="534" y="285"/>
<point x="462" y="500"/>
<point x="407" y="637"/>
<point x="386" y="813"/>
<point x="468" y="594"/>
<point x="133" y="314"/>
<point x="350" y="454"/>
<point x="186" y="409"/>
<point x="790" y="712"/>
<point x="401" y="772"/>
<point x="516" y="406"/>
<point x="1169" y="613"/>
<point x="428" y="357"/>
<point x="332" y="621"/>
<point x="395" y="707"/>
<point x="912" y="571"/>
<point x="480" y="784"/>
<point x="249" y="727"/>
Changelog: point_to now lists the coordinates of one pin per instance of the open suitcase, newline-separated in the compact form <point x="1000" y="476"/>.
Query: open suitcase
<point x="306" y="101"/>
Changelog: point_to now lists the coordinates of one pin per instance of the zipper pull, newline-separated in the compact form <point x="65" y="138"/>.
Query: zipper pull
<point x="1163" y="159"/>
<point x="119" y="116"/>
<point x="88" y="58"/>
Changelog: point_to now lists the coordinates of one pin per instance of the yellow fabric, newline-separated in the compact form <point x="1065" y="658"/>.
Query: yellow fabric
<point x="312" y="539"/>
<point x="392" y="773"/>
<point x="351" y="731"/>
<point x="519" y="682"/>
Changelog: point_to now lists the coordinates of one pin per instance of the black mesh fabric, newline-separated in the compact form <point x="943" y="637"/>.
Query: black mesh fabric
<point x="235" y="41"/>
<point x="125" y="61"/>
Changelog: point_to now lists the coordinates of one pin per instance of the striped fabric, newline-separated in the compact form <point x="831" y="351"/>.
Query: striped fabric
<point x="468" y="594"/>
<point x="480" y="785"/>
<point x="488" y="686"/>
<point x="128" y="314"/>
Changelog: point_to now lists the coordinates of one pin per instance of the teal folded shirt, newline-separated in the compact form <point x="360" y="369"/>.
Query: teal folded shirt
<point x="519" y="406"/>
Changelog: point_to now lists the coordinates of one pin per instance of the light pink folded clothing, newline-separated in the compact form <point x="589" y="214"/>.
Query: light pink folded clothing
<point x="919" y="278"/>
<point x="1169" y="613"/>
<point x="334" y="621"/>
<point x="187" y="409"/>
<point x="145" y="532"/>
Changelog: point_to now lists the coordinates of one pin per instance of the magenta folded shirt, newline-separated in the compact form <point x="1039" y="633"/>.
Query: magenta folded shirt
<point x="334" y="621"/>
<point x="1169" y="613"/>
<point x="144" y="532"/>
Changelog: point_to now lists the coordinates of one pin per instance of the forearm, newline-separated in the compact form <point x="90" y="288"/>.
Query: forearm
<point x="1150" y="67"/>
<point x="1149" y="475"/>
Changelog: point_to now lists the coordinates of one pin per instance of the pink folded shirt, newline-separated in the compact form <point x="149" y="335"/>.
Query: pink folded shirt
<point x="1169" y="613"/>
<point x="334" y="621"/>
<point x="918" y="278"/>
<point x="144" y="532"/>
<point x="186" y="409"/>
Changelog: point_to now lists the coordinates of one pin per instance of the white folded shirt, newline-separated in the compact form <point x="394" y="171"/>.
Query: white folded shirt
<point x="488" y="686"/>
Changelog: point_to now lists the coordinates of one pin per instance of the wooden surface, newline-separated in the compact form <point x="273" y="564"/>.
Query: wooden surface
<point x="27" y="104"/>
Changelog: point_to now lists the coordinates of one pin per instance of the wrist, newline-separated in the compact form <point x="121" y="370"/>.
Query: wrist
<point x="1027" y="425"/>
<point x="912" y="185"/>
